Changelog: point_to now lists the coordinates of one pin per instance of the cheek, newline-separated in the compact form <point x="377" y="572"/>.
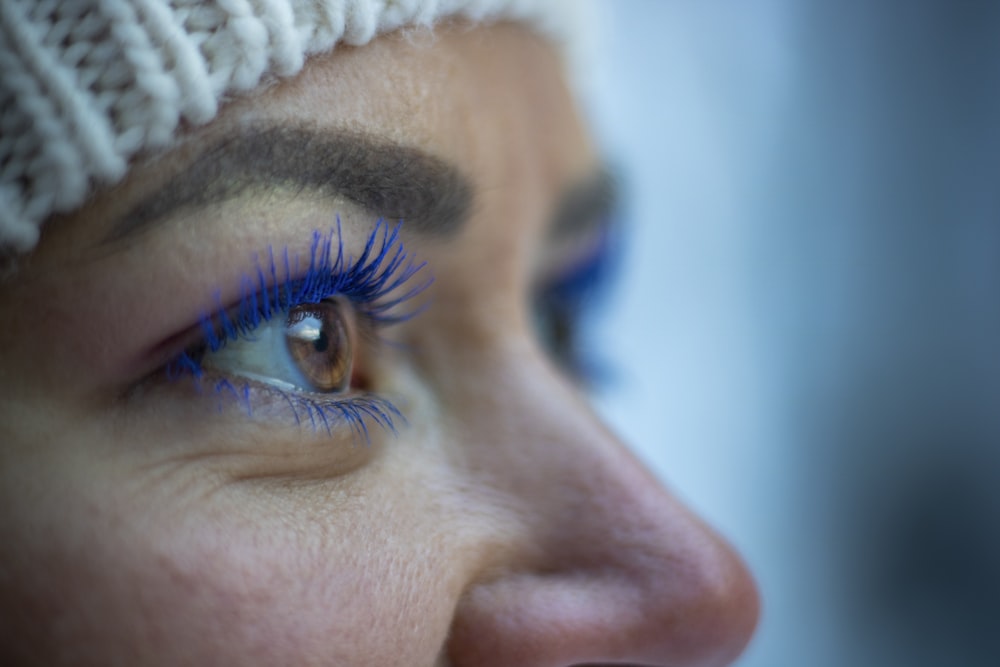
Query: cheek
<point x="282" y="597"/>
<point x="222" y="576"/>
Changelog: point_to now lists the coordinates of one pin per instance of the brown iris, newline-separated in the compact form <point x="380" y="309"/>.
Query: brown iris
<point x="319" y="341"/>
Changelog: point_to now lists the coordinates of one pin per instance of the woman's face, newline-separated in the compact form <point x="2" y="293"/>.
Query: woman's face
<point x="180" y="486"/>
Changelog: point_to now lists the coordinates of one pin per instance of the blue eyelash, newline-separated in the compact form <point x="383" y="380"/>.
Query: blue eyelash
<point x="328" y="413"/>
<point x="583" y="282"/>
<point x="383" y="267"/>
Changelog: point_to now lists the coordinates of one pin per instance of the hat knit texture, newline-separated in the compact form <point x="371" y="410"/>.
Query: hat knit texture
<point x="85" y="85"/>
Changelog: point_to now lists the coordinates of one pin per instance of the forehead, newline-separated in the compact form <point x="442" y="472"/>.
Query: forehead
<point x="465" y="95"/>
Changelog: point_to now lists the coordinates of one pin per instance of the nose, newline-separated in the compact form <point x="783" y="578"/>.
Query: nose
<point x="597" y="563"/>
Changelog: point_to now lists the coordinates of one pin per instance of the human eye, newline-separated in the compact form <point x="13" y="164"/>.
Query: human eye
<point x="565" y="303"/>
<point x="309" y="349"/>
<point x="295" y="336"/>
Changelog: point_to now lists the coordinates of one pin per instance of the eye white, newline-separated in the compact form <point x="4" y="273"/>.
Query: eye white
<point x="262" y="356"/>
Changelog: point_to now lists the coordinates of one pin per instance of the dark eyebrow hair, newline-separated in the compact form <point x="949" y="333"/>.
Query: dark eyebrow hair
<point x="585" y="204"/>
<point x="393" y="181"/>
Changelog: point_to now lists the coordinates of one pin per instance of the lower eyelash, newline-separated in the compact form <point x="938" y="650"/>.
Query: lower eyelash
<point x="319" y="413"/>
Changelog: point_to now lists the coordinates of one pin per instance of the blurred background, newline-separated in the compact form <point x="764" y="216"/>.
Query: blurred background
<point x="806" y="332"/>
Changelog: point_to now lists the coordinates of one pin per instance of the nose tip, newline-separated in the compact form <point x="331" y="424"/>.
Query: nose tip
<point x="696" y="602"/>
<point x="706" y="604"/>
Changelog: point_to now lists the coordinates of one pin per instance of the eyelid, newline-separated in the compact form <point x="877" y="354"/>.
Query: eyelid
<point x="253" y="398"/>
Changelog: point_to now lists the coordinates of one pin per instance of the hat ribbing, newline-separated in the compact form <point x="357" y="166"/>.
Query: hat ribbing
<point x="85" y="85"/>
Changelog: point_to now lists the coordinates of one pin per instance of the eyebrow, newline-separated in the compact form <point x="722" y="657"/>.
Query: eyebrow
<point x="394" y="181"/>
<point x="585" y="205"/>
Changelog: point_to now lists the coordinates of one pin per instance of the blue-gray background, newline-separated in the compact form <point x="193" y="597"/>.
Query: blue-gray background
<point x="807" y="332"/>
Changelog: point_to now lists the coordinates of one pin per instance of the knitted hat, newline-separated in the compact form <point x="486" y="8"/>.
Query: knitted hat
<point x="85" y="85"/>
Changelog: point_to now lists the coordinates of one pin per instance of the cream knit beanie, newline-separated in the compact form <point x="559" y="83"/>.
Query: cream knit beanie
<point x="85" y="85"/>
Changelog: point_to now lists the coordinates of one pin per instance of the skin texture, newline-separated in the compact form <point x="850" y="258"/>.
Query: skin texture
<point x="145" y="524"/>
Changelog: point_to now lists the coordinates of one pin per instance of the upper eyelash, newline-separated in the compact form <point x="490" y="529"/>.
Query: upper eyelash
<point x="593" y="274"/>
<point x="381" y="268"/>
<point x="583" y="281"/>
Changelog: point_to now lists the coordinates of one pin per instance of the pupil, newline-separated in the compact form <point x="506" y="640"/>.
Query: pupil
<point x="322" y="342"/>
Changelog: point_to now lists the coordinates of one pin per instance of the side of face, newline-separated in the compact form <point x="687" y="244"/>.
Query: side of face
<point x="155" y="517"/>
